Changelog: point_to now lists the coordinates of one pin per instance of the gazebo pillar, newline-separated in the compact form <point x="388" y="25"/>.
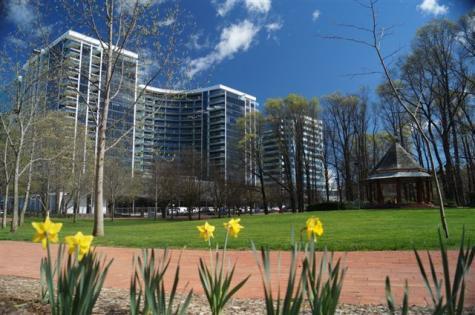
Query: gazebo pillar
<point x="379" y="193"/>
<point x="370" y="191"/>
<point x="419" y="191"/>
<point x="429" y="190"/>
<point x="398" y="192"/>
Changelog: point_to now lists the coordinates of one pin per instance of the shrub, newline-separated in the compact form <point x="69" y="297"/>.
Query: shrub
<point x="216" y="281"/>
<point x="323" y="296"/>
<point x="320" y="283"/>
<point x="453" y="301"/>
<point x="147" y="287"/>
<point x="471" y="199"/>
<point x="326" y="206"/>
<point x="293" y="299"/>
<point x="74" y="287"/>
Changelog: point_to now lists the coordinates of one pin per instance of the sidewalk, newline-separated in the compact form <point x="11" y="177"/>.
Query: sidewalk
<point x="363" y="284"/>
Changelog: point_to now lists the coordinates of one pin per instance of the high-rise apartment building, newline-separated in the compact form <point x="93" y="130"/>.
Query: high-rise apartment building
<point x="72" y="77"/>
<point x="161" y="124"/>
<point x="201" y="121"/>
<point x="312" y="142"/>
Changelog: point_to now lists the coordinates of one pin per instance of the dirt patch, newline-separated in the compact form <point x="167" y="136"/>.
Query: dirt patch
<point x="20" y="296"/>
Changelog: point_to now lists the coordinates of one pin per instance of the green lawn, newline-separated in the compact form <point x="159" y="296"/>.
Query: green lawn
<point x="344" y="230"/>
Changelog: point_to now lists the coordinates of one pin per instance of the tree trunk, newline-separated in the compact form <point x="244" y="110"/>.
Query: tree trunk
<point x="113" y="209"/>
<point x="449" y="171"/>
<point x="27" y="196"/>
<point x="16" y="187"/>
<point x="101" y="149"/>
<point x="299" y="176"/>
<point x="98" y="229"/>
<point x="76" y="206"/>
<point x="263" y="193"/>
<point x="5" y="207"/>
<point x="348" y="180"/>
<point x="156" y="202"/>
<point x="327" y="182"/>
<point x="458" y="176"/>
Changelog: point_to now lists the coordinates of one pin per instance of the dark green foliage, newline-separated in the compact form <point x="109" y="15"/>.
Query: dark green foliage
<point x="452" y="301"/>
<point x="216" y="283"/>
<point x="390" y="299"/>
<point x="78" y="283"/>
<point x="323" y="295"/>
<point x="471" y="198"/>
<point x="293" y="299"/>
<point x="326" y="206"/>
<point x="147" y="287"/>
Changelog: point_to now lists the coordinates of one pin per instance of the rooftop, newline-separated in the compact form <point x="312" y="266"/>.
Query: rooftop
<point x="397" y="163"/>
<point x="93" y="41"/>
<point x="198" y="90"/>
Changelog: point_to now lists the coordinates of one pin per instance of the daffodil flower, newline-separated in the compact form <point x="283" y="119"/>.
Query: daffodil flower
<point x="233" y="227"/>
<point x="314" y="227"/>
<point x="80" y="243"/>
<point x="206" y="231"/>
<point x="46" y="231"/>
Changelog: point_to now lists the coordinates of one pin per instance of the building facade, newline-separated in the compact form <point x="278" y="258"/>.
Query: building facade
<point x="69" y="75"/>
<point x="202" y="122"/>
<point x="274" y="161"/>
<point x="158" y="123"/>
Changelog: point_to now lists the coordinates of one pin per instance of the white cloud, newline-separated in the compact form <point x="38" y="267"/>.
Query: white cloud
<point x="315" y="15"/>
<point x="235" y="38"/>
<point x="432" y="7"/>
<point x="274" y="26"/>
<point x="197" y="43"/>
<point x="148" y="65"/>
<point x="258" y="6"/>
<point x="16" y="42"/>
<point x="129" y="5"/>
<point x="224" y="8"/>
<point x="167" y="22"/>
<point x="252" y="6"/>
<point x="20" y="12"/>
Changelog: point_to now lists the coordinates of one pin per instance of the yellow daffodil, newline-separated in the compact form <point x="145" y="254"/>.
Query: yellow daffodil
<point x="46" y="231"/>
<point x="79" y="242"/>
<point x="314" y="227"/>
<point x="206" y="231"/>
<point x="233" y="227"/>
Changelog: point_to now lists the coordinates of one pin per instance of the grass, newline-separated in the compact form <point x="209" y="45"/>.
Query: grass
<point x="348" y="230"/>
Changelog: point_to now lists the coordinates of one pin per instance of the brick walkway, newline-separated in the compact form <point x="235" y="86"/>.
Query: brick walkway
<point x="364" y="282"/>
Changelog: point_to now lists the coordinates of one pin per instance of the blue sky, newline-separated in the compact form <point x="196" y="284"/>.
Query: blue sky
<point x="269" y="48"/>
<point x="294" y="58"/>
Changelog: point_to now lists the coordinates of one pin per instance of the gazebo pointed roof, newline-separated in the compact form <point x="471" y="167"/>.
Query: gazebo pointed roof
<point x="397" y="163"/>
<point x="397" y="158"/>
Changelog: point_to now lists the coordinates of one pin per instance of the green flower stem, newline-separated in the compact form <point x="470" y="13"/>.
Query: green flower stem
<point x="49" y="275"/>
<point x="224" y="248"/>
<point x="210" y="253"/>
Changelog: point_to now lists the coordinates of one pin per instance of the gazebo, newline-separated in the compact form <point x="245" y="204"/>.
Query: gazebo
<point x="398" y="180"/>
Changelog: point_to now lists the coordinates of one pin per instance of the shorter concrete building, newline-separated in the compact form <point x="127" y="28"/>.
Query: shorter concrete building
<point x="274" y="165"/>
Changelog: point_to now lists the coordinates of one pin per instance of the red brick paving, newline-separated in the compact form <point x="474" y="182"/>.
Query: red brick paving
<point x="363" y="284"/>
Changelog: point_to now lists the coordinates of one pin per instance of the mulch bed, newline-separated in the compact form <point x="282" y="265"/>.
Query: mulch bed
<point x="20" y="296"/>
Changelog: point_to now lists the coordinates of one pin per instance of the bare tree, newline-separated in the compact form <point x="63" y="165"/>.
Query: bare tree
<point x="121" y="25"/>
<point x="252" y="143"/>
<point x="342" y="112"/>
<point x="117" y="182"/>
<point x="292" y="120"/>
<point x="376" y="35"/>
